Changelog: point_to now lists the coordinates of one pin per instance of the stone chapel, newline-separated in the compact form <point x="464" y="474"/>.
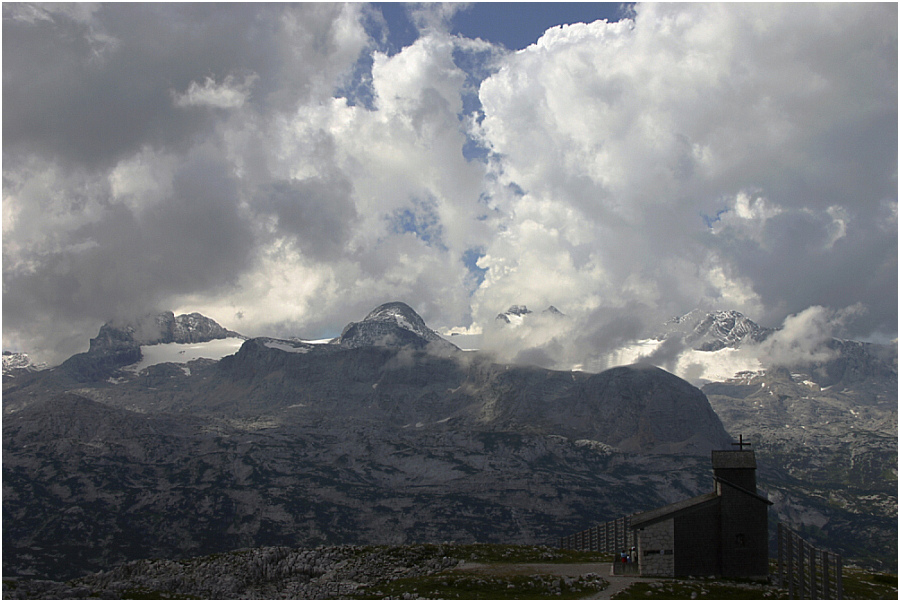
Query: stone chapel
<point x="723" y="533"/>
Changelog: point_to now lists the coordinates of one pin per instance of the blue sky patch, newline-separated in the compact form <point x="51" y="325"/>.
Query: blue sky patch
<point x="711" y="220"/>
<point x="517" y="25"/>
<point x="422" y="220"/>
<point x="401" y="31"/>
<point x="470" y="260"/>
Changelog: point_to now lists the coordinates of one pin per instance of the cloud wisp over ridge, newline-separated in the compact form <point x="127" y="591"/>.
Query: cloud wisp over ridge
<point x="285" y="168"/>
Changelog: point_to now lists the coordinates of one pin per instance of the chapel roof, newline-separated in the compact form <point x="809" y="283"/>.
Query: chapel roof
<point x="665" y="512"/>
<point x="731" y="458"/>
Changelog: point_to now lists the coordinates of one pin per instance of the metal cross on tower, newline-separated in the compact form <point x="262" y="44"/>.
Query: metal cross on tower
<point x="741" y="443"/>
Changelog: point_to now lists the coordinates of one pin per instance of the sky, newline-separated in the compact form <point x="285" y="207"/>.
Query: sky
<point x="284" y="169"/>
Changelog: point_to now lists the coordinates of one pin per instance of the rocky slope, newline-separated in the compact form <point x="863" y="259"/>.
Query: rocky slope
<point x="825" y="432"/>
<point x="387" y="436"/>
<point x="711" y="331"/>
<point x="828" y="453"/>
<point x="516" y="313"/>
<point x="393" y="324"/>
<point x="87" y="486"/>
<point x="288" y="443"/>
<point x="18" y="363"/>
<point x="338" y="572"/>
<point x="119" y="345"/>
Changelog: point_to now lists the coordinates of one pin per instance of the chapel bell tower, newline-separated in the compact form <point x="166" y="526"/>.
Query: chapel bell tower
<point x="735" y="467"/>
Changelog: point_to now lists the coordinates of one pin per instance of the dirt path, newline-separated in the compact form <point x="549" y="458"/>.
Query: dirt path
<point x="617" y="583"/>
<point x="567" y="570"/>
<point x="604" y="569"/>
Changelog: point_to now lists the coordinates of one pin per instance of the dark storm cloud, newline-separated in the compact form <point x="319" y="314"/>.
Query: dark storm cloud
<point x="316" y="213"/>
<point x="667" y="354"/>
<point x="801" y="255"/>
<point x="202" y="157"/>
<point x="65" y="99"/>
<point x="89" y="91"/>
<point x="137" y="138"/>
<point x="128" y="262"/>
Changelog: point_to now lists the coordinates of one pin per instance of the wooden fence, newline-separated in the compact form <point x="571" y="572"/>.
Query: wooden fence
<point x="611" y="537"/>
<point x="807" y="572"/>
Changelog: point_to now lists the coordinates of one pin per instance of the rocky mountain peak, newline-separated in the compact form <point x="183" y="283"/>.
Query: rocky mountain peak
<point x="118" y="344"/>
<point x="15" y="363"/>
<point x="518" y="310"/>
<point x="393" y="324"/>
<point x="160" y="328"/>
<point x="516" y="314"/>
<point x="711" y="331"/>
<point x="398" y="313"/>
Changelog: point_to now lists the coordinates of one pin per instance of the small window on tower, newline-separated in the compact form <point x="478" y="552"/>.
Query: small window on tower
<point x="739" y="540"/>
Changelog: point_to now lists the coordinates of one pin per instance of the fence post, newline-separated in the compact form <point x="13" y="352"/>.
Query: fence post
<point x="839" y="574"/>
<point x="790" y="563"/>
<point x="780" y="555"/>
<point x="806" y="571"/>
<point x="629" y="534"/>
<point x="801" y="572"/>
<point x="610" y="537"/>
<point x="813" y="589"/>
<point x="615" y="535"/>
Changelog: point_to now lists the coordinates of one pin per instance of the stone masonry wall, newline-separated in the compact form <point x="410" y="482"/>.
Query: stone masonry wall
<point x="656" y="546"/>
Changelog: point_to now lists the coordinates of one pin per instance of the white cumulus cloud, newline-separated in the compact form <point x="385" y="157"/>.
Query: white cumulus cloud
<point x="229" y="94"/>
<point x="279" y="168"/>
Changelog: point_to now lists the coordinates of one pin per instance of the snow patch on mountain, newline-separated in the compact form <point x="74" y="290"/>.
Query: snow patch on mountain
<point x="693" y="365"/>
<point x="288" y="346"/>
<point x="403" y="316"/>
<point x="630" y="354"/>
<point x="391" y="324"/>
<point x="697" y="366"/>
<point x="712" y="331"/>
<point x="516" y="315"/>
<point x="19" y="362"/>
<point x="182" y="353"/>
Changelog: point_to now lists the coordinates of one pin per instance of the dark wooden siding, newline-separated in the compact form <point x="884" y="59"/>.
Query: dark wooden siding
<point x="745" y="537"/>
<point x="697" y="542"/>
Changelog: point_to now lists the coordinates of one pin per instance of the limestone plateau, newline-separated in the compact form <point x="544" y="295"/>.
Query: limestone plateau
<point x="391" y="435"/>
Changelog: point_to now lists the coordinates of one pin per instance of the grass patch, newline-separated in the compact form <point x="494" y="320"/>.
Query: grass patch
<point x="860" y="584"/>
<point x="468" y="586"/>
<point x="487" y="587"/>
<point x="688" y="589"/>
<point x="496" y="553"/>
<point x="140" y="593"/>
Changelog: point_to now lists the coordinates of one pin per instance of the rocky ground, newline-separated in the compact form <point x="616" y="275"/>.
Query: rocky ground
<point x="438" y="571"/>
<point x="298" y="445"/>
<point x="321" y="573"/>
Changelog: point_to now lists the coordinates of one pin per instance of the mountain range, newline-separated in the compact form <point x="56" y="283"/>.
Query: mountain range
<point x="516" y="313"/>
<point x="391" y="434"/>
<point x="18" y="362"/>
<point x="712" y="331"/>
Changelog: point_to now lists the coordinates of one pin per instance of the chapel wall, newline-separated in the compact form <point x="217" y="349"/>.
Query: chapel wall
<point x="656" y="546"/>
